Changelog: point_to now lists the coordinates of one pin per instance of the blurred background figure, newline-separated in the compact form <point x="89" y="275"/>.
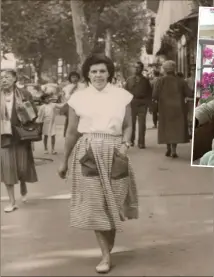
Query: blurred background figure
<point x="17" y="163"/>
<point x="67" y="91"/>
<point x="74" y="83"/>
<point x="154" y="106"/>
<point x="116" y="82"/>
<point x="190" y="100"/>
<point x="139" y="86"/>
<point x="170" y="91"/>
<point x="47" y="116"/>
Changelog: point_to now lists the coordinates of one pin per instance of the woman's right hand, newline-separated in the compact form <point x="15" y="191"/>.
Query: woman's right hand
<point x="63" y="170"/>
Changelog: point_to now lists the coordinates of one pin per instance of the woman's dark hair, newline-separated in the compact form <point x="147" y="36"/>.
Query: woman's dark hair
<point x="73" y="73"/>
<point x="98" y="59"/>
<point x="45" y="96"/>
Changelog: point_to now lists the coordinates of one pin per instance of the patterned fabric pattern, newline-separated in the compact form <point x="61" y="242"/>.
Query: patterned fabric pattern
<point x="100" y="203"/>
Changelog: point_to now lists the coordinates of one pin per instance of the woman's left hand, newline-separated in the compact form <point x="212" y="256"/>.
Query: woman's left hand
<point x="123" y="149"/>
<point x="63" y="170"/>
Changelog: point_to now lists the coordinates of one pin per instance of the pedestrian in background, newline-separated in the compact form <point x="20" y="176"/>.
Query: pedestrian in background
<point x="17" y="163"/>
<point x="47" y="116"/>
<point x="139" y="86"/>
<point x="170" y="91"/>
<point x="98" y="137"/>
<point x="75" y="84"/>
<point x="190" y="100"/>
<point x="154" y="102"/>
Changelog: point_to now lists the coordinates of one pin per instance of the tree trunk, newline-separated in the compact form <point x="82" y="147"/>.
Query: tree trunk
<point x="108" y="43"/>
<point x="38" y="69"/>
<point x="80" y="29"/>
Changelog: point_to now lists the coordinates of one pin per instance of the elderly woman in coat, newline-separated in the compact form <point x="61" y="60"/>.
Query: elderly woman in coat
<point x="17" y="163"/>
<point x="98" y="137"/>
<point x="170" y="91"/>
<point x="203" y="114"/>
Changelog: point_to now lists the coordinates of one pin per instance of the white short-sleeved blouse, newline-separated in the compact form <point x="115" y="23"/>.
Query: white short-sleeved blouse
<point x="100" y="111"/>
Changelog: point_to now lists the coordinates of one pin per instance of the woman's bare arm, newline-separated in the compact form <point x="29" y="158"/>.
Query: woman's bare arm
<point x="72" y="134"/>
<point x="59" y="106"/>
<point x="127" y="125"/>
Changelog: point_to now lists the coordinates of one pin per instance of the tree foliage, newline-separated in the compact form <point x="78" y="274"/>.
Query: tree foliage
<point x="37" y="30"/>
<point x="128" y="22"/>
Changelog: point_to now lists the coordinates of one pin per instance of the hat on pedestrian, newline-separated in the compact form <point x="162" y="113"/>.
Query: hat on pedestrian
<point x="169" y="66"/>
<point x="8" y="65"/>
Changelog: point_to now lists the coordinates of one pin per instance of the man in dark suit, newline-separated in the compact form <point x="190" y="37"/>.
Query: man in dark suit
<point x="141" y="89"/>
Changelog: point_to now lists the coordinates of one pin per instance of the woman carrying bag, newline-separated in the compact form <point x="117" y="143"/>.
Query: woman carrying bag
<point x="17" y="163"/>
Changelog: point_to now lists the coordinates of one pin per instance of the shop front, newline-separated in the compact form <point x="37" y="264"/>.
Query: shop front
<point x="185" y="33"/>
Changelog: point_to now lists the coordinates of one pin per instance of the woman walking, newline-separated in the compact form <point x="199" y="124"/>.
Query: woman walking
<point x="17" y="163"/>
<point x="170" y="91"/>
<point x="99" y="131"/>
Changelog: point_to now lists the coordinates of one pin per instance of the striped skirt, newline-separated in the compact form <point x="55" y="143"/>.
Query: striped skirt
<point x="17" y="164"/>
<point x="100" y="202"/>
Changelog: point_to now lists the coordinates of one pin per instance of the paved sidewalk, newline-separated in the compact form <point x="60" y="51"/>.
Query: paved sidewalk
<point x="173" y="236"/>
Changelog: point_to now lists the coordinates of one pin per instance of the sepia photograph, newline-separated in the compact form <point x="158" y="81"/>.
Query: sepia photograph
<point x="106" y="106"/>
<point x="203" y="142"/>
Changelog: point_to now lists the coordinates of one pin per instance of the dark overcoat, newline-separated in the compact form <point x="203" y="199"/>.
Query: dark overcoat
<point x="170" y="92"/>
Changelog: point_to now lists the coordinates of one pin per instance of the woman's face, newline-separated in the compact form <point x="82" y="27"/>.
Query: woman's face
<point x="74" y="79"/>
<point x="7" y="79"/>
<point x="98" y="75"/>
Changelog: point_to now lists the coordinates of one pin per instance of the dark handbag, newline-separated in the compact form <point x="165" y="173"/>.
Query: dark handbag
<point x="30" y="132"/>
<point x="6" y="141"/>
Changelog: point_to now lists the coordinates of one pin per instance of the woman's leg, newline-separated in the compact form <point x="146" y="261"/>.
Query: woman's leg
<point x="23" y="190"/>
<point x="45" y="141"/>
<point x="53" y="141"/>
<point x="174" y="150"/>
<point x="104" y="265"/>
<point x="111" y="238"/>
<point x="168" y="151"/>
<point x="11" y="194"/>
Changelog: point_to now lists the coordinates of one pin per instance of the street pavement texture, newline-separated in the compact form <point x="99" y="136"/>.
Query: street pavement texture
<point x="172" y="237"/>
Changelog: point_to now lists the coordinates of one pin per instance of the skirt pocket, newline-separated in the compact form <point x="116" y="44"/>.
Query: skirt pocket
<point x="88" y="164"/>
<point x="120" y="166"/>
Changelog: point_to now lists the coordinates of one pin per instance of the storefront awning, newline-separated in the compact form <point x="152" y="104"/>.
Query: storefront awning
<point x="169" y="12"/>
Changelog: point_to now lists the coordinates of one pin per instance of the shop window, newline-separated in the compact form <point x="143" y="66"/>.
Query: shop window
<point x="205" y="69"/>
